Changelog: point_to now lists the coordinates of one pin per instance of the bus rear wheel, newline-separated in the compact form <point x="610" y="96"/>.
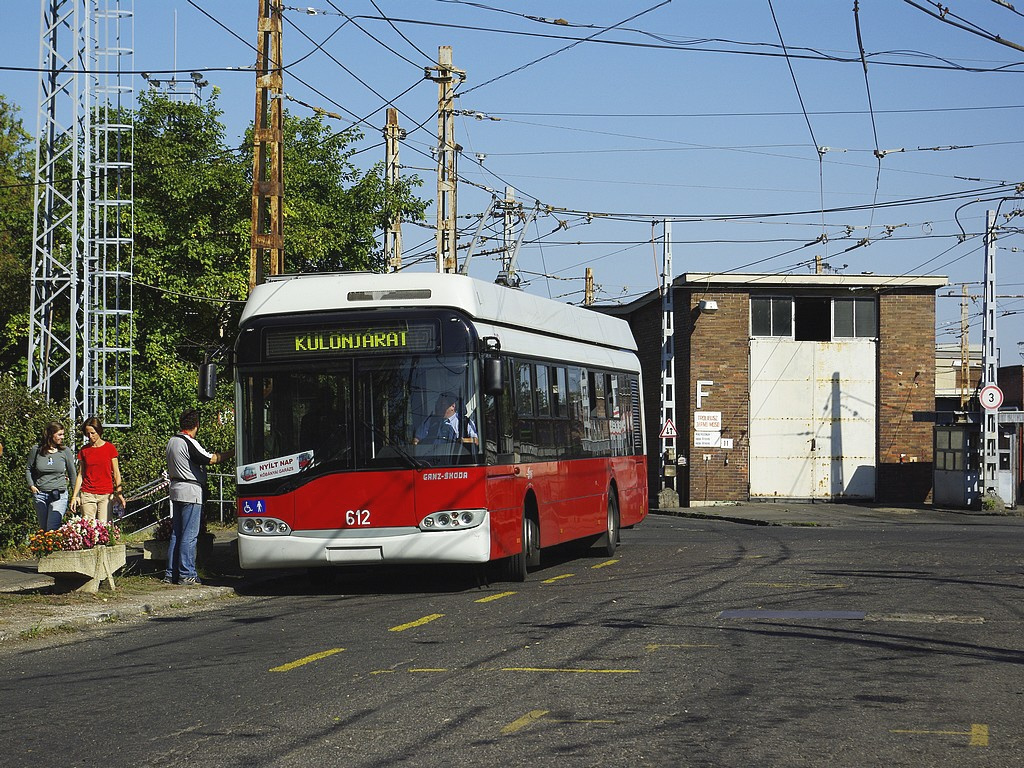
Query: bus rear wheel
<point x="520" y="563"/>
<point x="610" y="540"/>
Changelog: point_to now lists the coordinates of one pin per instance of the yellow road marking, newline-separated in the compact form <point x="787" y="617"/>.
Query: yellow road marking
<point x="521" y="722"/>
<point x="557" y="578"/>
<point x="606" y="562"/>
<point x="794" y="585"/>
<point x="417" y="623"/>
<point x="656" y="646"/>
<point x="489" y="598"/>
<point x="978" y="734"/>
<point x="582" y="671"/>
<point x="427" y="669"/>
<point x="306" y="660"/>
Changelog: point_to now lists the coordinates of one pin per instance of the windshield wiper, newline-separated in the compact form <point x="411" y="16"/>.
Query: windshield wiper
<point x="409" y="459"/>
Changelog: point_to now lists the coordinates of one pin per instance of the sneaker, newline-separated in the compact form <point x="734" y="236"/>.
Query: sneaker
<point x="165" y="580"/>
<point x="191" y="582"/>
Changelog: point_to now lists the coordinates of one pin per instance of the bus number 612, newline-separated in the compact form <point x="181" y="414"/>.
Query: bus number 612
<point x="355" y="517"/>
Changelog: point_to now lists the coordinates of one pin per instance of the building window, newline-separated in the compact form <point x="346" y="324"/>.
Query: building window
<point x="771" y="316"/>
<point x="949" y="449"/>
<point x="856" y="318"/>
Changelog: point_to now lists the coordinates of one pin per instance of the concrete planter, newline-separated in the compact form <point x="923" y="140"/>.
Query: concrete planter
<point x="157" y="550"/>
<point x="83" y="570"/>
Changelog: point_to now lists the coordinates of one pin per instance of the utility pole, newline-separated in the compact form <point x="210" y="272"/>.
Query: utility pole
<point x="669" y="495"/>
<point x="393" y="233"/>
<point x="508" y="208"/>
<point x="267" y="244"/>
<point x="965" y="351"/>
<point x="588" y="288"/>
<point x="444" y="74"/>
<point x="990" y="363"/>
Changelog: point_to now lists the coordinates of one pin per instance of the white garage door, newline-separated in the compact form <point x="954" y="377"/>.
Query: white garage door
<point x="812" y="419"/>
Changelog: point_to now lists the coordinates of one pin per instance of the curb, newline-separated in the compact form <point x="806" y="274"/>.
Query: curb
<point x="706" y="516"/>
<point x="148" y="606"/>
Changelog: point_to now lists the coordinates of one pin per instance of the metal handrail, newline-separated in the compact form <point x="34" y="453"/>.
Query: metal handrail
<point x="162" y="482"/>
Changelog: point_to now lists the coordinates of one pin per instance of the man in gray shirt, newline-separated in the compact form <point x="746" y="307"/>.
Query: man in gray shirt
<point x="186" y="466"/>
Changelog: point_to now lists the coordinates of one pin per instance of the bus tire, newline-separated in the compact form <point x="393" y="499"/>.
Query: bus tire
<point x="610" y="540"/>
<point x="520" y="563"/>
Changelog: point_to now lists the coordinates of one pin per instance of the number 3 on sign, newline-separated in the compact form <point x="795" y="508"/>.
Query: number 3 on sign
<point x="991" y="397"/>
<point x="356" y="517"/>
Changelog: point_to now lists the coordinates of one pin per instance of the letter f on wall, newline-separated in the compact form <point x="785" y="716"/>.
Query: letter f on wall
<point x="702" y="392"/>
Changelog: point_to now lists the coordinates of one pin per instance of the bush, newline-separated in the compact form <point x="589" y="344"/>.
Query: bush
<point x="23" y="415"/>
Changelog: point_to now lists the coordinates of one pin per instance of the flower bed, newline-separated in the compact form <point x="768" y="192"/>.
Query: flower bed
<point x="76" y="534"/>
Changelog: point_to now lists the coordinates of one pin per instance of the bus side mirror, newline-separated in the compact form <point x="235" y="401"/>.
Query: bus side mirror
<point x="494" y="381"/>
<point x="207" y="381"/>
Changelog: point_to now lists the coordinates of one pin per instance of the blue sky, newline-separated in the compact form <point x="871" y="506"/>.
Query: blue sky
<point x="688" y="110"/>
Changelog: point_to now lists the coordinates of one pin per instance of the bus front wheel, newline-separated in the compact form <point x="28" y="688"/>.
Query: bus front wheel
<point x="529" y="555"/>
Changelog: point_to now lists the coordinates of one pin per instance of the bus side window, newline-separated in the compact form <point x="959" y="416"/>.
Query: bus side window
<point x="558" y="393"/>
<point x="596" y="382"/>
<point x="575" y="401"/>
<point x="524" y="388"/>
<point x="543" y="393"/>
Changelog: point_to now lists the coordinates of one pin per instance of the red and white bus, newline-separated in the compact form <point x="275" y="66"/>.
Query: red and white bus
<point x="350" y="453"/>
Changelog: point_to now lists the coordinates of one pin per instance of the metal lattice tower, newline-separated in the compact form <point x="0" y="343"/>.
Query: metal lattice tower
<point x="59" y="231"/>
<point x="108" y="273"/>
<point x="80" y="305"/>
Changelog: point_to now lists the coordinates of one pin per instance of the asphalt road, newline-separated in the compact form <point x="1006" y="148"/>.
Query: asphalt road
<point x="702" y="642"/>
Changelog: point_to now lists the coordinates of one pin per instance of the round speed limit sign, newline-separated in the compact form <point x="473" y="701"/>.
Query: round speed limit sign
<point x="991" y="397"/>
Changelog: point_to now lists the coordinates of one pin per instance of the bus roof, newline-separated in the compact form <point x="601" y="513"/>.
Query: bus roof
<point x="484" y="302"/>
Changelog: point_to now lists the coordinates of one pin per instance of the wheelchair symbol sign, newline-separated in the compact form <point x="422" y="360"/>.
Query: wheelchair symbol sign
<point x="254" y="507"/>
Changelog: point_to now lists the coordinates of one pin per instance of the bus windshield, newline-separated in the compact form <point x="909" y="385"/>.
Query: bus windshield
<point x="383" y="412"/>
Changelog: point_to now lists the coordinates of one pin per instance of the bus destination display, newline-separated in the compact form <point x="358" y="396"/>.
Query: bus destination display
<point x="352" y="340"/>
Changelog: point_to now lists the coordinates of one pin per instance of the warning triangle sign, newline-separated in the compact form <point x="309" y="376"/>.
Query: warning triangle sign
<point x="669" y="430"/>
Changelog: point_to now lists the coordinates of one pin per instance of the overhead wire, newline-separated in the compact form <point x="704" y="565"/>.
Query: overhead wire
<point x="807" y="119"/>
<point x="566" y="48"/>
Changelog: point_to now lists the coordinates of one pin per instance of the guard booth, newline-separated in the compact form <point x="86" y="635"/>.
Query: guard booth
<point x="1008" y="472"/>
<point x="956" y="474"/>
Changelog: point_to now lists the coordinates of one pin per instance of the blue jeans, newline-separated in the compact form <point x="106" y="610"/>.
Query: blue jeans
<point x="181" y="550"/>
<point x="49" y="514"/>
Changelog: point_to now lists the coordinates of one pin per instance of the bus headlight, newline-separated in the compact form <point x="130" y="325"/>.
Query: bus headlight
<point x="452" y="520"/>
<point x="263" y="526"/>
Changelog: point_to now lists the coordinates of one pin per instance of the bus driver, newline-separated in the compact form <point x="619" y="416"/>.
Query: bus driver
<point x="442" y="426"/>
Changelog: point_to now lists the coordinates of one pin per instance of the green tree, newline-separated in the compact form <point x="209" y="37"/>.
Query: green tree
<point x="16" y="163"/>
<point x="191" y="248"/>
<point x="332" y="209"/>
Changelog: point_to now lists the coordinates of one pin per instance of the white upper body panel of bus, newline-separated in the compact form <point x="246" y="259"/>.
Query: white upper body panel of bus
<point x="514" y="317"/>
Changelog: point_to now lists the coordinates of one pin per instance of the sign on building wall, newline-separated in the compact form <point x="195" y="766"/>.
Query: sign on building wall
<point x="707" y="421"/>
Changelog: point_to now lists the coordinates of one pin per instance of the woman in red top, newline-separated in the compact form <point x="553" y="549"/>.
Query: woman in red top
<point x="99" y="476"/>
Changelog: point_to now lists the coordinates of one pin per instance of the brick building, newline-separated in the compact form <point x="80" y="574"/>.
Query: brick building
<point x="808" y="385"/>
